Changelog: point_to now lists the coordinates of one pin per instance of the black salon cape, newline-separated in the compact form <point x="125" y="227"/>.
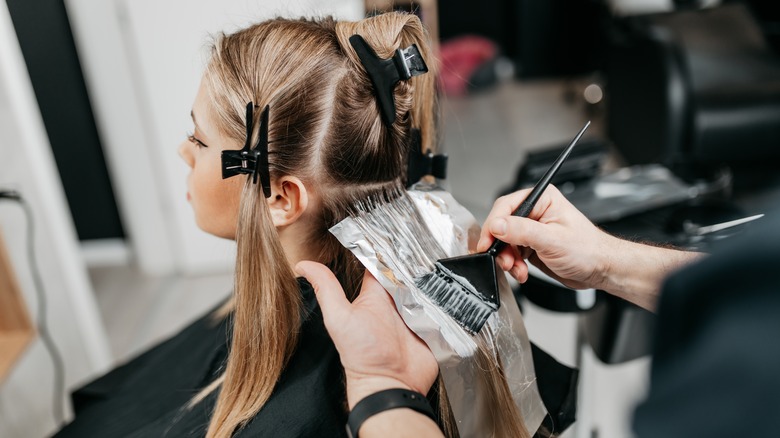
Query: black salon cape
<point x="147" y="397"/>
<point x="716" y="364"/>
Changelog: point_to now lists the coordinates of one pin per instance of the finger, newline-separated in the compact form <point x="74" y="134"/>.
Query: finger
<point x="503" y="206"/>
<point x="519" y="270"/>
<point x="515" y="252"/>
<point x="333" y="302"/>
<point x="506" y="258"/>
<point x="372" y="288"/>
<point x="525" y="252"/>
<point x="536" y="261"/>
<point x="515" y="264"/>
<point x="506" y="205"/>
<point x="521" y="231"/>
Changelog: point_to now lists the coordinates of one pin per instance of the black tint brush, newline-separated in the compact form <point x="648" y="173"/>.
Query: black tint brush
<point x="466" y="287"/>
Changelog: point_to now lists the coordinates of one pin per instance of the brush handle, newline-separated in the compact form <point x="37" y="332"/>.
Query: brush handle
<point x="525" y="207"/>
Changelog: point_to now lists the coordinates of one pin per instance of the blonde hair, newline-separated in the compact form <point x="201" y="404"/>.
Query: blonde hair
<point x="325" y="128"/>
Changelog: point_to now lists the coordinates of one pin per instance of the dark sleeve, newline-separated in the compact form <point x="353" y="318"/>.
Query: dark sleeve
<point x="716" y="365"/>
<point x="310" y="399"/>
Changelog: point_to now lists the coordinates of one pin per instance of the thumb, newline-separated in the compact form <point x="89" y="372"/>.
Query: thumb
<point x="372" y="288"/>
<point x="330" y="294"/>
<point x="520" y="231"/>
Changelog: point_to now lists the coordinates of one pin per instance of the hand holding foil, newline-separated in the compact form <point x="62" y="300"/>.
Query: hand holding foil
<point x="377" y="349"/>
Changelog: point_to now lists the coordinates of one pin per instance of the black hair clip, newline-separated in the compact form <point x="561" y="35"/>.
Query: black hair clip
<point x="420" y="165"/>
<point x="251" y="161"/>
<point x="386" y="73"/>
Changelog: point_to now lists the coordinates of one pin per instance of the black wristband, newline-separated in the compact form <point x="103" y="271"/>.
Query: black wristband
<point x="383" y="401"/>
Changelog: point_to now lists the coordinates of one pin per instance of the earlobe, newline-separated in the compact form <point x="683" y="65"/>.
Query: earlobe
<point x="289" y="200"/>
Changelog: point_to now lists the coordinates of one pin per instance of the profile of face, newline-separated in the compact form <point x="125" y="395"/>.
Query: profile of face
<point x="215" y="201"/>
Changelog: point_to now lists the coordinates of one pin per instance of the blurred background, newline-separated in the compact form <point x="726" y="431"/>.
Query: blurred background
<point x="684" y="97"/>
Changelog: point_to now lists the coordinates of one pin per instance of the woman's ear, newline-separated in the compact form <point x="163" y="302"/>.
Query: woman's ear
<point x="289" y="200"/>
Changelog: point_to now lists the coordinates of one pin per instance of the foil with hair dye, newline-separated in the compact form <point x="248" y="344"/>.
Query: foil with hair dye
<point x="398" y="238"/>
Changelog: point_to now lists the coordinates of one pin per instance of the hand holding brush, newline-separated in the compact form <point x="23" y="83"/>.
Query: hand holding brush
<point x="466" y="287"/>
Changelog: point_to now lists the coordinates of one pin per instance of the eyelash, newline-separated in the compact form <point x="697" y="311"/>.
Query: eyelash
<point x="191" y="138"/>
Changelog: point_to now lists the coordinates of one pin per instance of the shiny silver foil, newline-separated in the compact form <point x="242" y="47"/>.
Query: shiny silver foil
<point x="400" y="240"/>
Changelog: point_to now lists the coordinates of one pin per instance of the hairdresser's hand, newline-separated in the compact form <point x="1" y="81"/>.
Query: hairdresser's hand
<point x="558" y="239"/>
<point x="555" y="237"/>
<point x="377" y="349"/>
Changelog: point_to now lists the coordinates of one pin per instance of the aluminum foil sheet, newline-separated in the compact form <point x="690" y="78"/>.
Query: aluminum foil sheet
<point x="399" y="241"/>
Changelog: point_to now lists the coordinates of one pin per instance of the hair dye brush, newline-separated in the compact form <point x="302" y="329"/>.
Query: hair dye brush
<point x="466" y="287"/>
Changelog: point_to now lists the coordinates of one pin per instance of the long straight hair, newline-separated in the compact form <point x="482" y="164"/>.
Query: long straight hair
<point x="325" y="128"/>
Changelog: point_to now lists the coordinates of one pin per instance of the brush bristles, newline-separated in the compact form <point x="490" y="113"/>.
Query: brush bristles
<point x="390" y="222"/>
<point x="458" y="300"/>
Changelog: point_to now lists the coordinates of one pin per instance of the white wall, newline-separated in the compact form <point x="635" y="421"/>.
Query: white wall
<point x="26" y="165"/>
<point x="142" y="61"/>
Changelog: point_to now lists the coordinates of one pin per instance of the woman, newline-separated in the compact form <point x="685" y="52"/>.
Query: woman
<point x="302" y="84"/>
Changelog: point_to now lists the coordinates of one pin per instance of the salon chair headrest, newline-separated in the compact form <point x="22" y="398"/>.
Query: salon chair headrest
<point x="694" y="87"/>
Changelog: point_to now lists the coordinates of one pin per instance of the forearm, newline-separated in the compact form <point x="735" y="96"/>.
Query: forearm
<point x="635" y="271"/>
<point x="399" y="423"/>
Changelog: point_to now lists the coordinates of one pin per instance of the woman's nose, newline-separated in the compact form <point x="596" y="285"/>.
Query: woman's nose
<point x="185" y="152"/>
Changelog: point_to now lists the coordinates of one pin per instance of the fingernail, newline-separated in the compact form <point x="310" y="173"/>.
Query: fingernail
<point x="515" y="272"/>
<point x="502" y="261"/>
<point x="498" y="227"/>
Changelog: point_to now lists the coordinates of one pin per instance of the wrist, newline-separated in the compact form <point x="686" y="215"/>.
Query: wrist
<point x="379" y="404"/>
<point x="610" y="256"/>
<point x="636" y="271"/>
<point x="402" y="422"/>
<point x="361" y="386"/>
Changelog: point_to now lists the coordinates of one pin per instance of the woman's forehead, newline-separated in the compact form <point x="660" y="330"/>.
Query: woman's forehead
<point x="201" y="110"/>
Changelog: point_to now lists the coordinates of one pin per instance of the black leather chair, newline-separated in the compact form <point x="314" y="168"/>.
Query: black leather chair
<point x="692" y="89"/>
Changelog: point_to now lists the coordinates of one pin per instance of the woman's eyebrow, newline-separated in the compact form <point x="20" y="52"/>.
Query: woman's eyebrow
<point x="192" y="115"/>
